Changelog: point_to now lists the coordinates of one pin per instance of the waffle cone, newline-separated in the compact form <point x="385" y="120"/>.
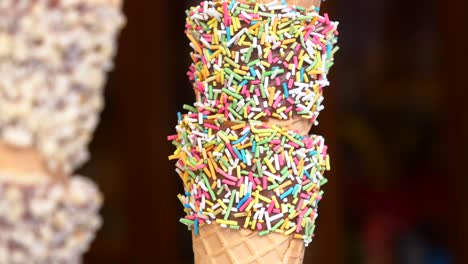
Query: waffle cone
<point x="220" y="245"/>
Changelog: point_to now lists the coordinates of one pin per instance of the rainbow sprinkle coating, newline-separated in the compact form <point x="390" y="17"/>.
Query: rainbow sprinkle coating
<point x="246" y="175"/>
<point x="250" y="63"/>
<point x="256" y="61"/>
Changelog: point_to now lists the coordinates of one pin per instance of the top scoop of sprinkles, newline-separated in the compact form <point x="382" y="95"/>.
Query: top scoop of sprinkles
<point x="255" y="61"/>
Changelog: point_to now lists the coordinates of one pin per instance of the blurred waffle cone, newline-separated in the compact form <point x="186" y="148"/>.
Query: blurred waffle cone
<point x="220" y="245"/>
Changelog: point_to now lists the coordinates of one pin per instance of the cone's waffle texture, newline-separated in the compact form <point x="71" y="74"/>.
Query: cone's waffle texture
<point x="217" y="245"/>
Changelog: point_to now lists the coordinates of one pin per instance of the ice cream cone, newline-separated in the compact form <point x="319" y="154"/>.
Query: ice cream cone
<point x="220" y="245"/>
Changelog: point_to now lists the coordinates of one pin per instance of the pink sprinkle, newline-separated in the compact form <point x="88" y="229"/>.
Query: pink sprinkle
<point x="230" y="177"/>
<point x="298" y="224"/>
<point x="270" y="57"/>
<point x="276" y="211"/>
<point x="254" y="15"/>
<point x="200" y="166"/>
<point x="247" y="94"/>
<point x="277" y="81"/>
<point x="281" y="160"/>
<point x="259" y="226"/>
<point x="257" y="181"/>
<point x="204" y="60"/>
<point x="291" y="101"/>
<point x="206" y="194"/>
<point x="327" y="20"/>
<point x="255" y="82"/>
<point x="295" y="61"/>
<point x="244" y="89"/>
<point x="229" y="182"/>
<point x="264" y="180"/>
<point x="244" y="19"/>
<point x="321" y="19"/>
<point x="293" y="144"/>
<point x="277" y="101"/>
<point x="298" y="47"/>
<point x="286" y="65"/>
<point x="210" y="126"/>
<point x="275" y="60"/>
<point x="267" y="112"/>
<point x="240" y="181"/>
<point x="305" y="182"/>
<point x="276" y="147"/>
<point x="249" y="108"/>
<point x="295" y="159"/>
<point x="290" y="83"/>
<point x="254" y="185"/>
<point x="304" y="211"/>
<point x="328" y="29"/>
<point x="324" y="151"/>
<point x="246" y="204"/>
<point x="305" y="196"/>
<point x="270" y="207"/>
<point x="226" y="18"/>
<point x="299" y="205"/>
<point x="306" y="36"/>
<point x="288" y="109"/>
<point x="173" y="137"/>
<point x="275" y="141"/>
<point x="257" y="92"/>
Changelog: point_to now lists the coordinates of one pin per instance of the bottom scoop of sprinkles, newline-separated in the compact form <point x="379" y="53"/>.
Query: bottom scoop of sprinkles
<point x="246" y="175"/>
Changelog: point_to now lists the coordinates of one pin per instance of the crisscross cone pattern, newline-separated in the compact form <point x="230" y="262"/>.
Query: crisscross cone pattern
<point x="219" y="245"/>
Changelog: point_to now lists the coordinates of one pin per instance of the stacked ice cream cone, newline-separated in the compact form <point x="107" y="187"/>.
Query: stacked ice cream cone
<point x="54" y="55"/>
<point x="252" y="174"/>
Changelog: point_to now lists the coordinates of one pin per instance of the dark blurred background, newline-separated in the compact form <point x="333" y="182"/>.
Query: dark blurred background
<point x="394" y="120"/>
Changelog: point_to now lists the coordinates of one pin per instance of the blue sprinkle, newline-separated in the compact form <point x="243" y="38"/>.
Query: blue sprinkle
<point x="286" y="193"/>
<point x="179" y="116"/>
<point x="286" y="91"/>
<point x="329" y="48"/>
<point x="254" y="74"/>
<point x="237" y="152"/>
<point x="244" y="82"/>
<point x="254" y="146"/>
<point x="196" y="227"/>
<point x="312" y="153"/>
<point x="302" y="75"/>
<point x="231" y="5"/>
<point x="186" y="205"/>
<point x="241" y="202"/>
<point x="228" y="33"/>
<point x="241" y="139"/>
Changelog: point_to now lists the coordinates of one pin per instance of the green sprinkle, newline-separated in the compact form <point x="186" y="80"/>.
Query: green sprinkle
<point x="231" y="201"/>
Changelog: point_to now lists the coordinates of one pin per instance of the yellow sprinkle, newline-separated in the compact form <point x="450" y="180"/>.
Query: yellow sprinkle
<point x="269" y="165"/>
<point x="285" y="184"/>
<point x="226" y="222"/>
<point x="259" y="188"/>
<point x="252" y="226"/>
<point x="218" y="211"/>
<point x="243" y="214"/>
<point x="276" y="202"/>
<point x="312" y="199"/>
<point x="327" y="161"/>
<point x="259" y="115"/>
<point x="247" y="220"/>
<point x="263" y="198"/>
<point x="222" y="204"/>
<point x="241" y="190"/>
<point x="245" y="146"/>
<point x="241" y="72"/>
<point x="213" y="185"/>
<point x="173" y="157"/>
<point x="249" y="207"/>
<point x="208" y="202"/>
<point x="266" y="64"/>
<point x="288" y="41"/>
<point x="292" y="229"/>
<point x="241" y="40"/>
